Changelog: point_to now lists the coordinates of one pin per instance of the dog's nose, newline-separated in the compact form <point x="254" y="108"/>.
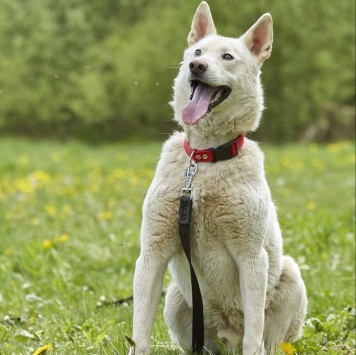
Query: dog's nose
<point x="197" y="66"/>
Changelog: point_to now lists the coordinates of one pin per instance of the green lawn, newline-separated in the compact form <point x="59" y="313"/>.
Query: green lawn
<point x="70" y="217"/>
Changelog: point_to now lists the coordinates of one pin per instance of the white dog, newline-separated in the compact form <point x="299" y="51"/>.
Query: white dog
<point x="254" y="297"/>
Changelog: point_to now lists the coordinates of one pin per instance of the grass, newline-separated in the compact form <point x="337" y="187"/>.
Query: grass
<point x="69" y="229"/>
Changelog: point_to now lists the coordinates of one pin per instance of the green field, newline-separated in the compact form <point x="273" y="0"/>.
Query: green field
<point x="69" y="228"/>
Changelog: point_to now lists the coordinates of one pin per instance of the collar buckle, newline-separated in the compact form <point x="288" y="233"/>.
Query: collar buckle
<point x="225" y="151"/>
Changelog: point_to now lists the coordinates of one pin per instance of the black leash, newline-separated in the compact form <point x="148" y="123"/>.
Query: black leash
<point x="185" y="211"/>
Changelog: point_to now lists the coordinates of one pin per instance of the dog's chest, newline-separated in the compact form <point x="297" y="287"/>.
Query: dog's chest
<point x="217" y="202"/>
<point x="214" y="223"/>
<point x="213" y="262"/>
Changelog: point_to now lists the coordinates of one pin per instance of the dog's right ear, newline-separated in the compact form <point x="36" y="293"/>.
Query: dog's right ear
<point x="202" y="25"/>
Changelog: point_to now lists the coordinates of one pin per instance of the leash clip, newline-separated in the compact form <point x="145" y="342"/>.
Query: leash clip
<point x="189" y="173"/>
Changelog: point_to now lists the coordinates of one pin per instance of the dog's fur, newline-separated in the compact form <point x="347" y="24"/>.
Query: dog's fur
<point x="254" y="297"/>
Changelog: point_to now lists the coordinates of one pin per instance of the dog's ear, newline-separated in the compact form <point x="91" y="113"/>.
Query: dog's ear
<point x="202" y="25"/>
<point x="259" y="38"/>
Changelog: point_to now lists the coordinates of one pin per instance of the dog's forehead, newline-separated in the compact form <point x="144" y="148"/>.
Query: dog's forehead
<point x="218" y="44"/>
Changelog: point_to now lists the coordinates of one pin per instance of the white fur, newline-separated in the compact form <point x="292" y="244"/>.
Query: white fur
<point x="253" y="296"/>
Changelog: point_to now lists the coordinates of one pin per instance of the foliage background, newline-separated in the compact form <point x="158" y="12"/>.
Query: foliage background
<point x="101" y="70"/>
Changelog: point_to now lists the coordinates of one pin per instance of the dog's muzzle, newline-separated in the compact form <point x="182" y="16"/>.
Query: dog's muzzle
<point x="203" y="99"/>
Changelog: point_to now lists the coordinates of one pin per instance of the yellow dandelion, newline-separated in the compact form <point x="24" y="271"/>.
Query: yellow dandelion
<point x="77" y="180"/>
<point x="129" y="213"/>
<point x="286" y="162"/>
<point x="286" y="192"/>
<point x="64" y="238"/>
<point x="311" y="205"/>
<point x="56" y="156"/>
<point x="133" y="181"/>
<point x="67" y="209"/>
<point x="106" y="215"/>
<point x="318" y="164"/>
<point x="50" y="210"/>
<point x="122" y="156"/>
<point x="47" y="244"/>
<point x="298" y="165"/>
<point x="35" y="221"/>
<point x="23" y="185"/>
<point x="23" y="160"/>
<point x="350" y="158"/>
<point x="43" y="349"/>
<point x="337" y="147"/>
<point x="313" y="147"/>
<point x="95" y="187"/>
<point x="287" y="348"/>
<point x="41" y="177"/>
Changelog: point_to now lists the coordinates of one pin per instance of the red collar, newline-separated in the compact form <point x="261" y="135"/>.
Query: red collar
<point x="222" y="152"/>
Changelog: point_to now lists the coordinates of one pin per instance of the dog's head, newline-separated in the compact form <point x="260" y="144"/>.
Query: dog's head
<point x="218" y="87"/>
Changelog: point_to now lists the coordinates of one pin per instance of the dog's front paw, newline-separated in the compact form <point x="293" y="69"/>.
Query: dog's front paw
<point x="228" y="339"/>
<point x="253" y="349"/>
<point x="132" y="350"/>
<point x="135" y="350"/>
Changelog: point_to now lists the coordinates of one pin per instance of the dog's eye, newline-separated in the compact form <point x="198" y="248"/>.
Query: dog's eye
<point x="198" y="52"/>
<point x="227" y="56"/>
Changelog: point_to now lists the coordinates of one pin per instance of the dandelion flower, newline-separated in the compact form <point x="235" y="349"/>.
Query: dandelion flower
<point x="350" y="158"/>
<point x="106" y="215"/>
<point x="67" y="209"/>
<point x="313" y="147"/>
<point x="56" y="156"/>
<point x="287" y="348"/>
<point x="23" y="185"/>
<point x="311" y="205"/>
<point x="50" y="210"/>
<point x="41" y="177"/>
<point x="47" y="244"/>
<point x="35" y="221"/>
<point x="23" y="160"/>
<point x="64" y="238"/>
<point x="43" y="349"/>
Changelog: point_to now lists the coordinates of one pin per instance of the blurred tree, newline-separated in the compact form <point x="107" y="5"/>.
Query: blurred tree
<point x="104" y="70"/>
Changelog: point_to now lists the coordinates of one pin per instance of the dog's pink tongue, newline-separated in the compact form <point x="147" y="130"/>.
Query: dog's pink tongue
<point x="198" y="106"/>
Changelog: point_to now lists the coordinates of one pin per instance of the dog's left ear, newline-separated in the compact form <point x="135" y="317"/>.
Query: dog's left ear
<point x="259" y="38"/>
<point x="202" y="25"/>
